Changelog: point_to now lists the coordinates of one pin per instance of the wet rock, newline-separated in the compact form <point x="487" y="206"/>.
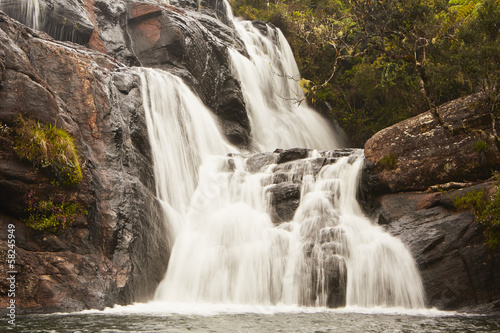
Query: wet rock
<point x="291" y="154"/>
<point x="64" y="20"/>
<point x="118" y="252"/>
<point x="336" y="281"/>
<point x="285" y="198"/>
<point x="165" y="38"/>
<point x="256" y="162"/>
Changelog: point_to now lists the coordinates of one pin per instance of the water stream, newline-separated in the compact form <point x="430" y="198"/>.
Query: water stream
<point x="30" y="12"/>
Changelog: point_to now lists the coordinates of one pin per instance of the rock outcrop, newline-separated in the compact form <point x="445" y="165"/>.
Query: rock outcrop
<point x="65" y="20"/>
<point x="456" y="146"/>
<point x="119" y="251"/>
<point x="456" y="143"/>
<point x="188" y="43"/>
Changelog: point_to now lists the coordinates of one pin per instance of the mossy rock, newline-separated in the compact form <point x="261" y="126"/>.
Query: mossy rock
<point x="47" y="146"/>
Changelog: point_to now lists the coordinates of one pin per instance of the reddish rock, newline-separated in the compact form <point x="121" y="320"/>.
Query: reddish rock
<point x="139" y="9"/>
<point x="95" y="41"/>
<point x="98" y="260"/>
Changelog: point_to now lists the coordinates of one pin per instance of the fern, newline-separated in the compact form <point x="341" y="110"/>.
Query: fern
<point x="466" y="9"/>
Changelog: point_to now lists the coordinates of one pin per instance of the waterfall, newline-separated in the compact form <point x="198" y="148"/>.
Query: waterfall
<point x="182" y="133"/>
<point x="226" y="248"/>
<point x="29" y="13"/>
<point x="278" y="114"/>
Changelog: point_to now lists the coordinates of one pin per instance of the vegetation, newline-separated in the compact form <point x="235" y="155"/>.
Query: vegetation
<point x="389" y="162"/>
<point x="481" y="146"/>
<point x="47" y="147"/>
<point x="369" y="64"/>
<point x="486" y="210"/>
<point x="52" y="215"/>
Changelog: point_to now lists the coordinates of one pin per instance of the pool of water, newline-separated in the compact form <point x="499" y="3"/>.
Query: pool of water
<point x="162" y="317"/>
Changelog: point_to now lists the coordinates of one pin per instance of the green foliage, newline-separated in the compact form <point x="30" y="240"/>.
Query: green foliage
<point x="51" y="215"/>
<point x="475" y="200"/>
<point x="47" y="147"/>
<point x="486" y="210"/>
<point x="481" y="146"/>
<point x="389" y="162"/>
<point x="466" y="9"/>
<point x="369" y="64"/>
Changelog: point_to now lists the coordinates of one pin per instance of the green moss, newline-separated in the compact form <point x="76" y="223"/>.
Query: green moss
<point x="389" y="162"/>
<point x="49" y="214"/>
<point x="47" y="147"/>
<point x="481" y="146"/>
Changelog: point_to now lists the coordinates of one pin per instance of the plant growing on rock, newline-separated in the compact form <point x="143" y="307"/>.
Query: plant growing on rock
<point x="47" y="146"/>
<point x="486" y="210"/>
<point x="52" y="215"/>
<point x="389" y="162"/>
<point x="481" y="146"/>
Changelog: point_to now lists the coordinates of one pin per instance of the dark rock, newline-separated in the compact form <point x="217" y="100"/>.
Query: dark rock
<point x="256" y="162"/>
<point x="165" y="38"/>
<point x="458" y="269"/>
<point x="285" y="198"/>
<point x="431" y="149"/>
<point x="291" y="154"/>
<point x="336" y="281"/>
<point x="284" y="191"/>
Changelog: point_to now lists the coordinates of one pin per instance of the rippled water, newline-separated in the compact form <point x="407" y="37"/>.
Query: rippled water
<point x="184" y="318"/>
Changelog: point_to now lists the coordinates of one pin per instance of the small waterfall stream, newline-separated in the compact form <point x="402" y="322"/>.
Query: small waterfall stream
<point x="226" y="248"/>
<point x="30" y="12"/>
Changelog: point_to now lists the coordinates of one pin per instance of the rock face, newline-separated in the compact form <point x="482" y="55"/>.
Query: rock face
<point x="119" y="251"/>
<point x="457" y="144"/>
<point x="187" y="43"/>
<point x="458" y="270"/>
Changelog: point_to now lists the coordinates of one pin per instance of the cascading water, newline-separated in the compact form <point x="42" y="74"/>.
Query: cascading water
<point x="182" y="133"/>
<point x="30" y="11"/>
<point x="274" y="98"/>
<point x="226" y="248"/>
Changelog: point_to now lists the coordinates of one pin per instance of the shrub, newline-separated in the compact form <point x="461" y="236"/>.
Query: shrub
<point x="47" y="147"/>
<point x="486" y="210"/>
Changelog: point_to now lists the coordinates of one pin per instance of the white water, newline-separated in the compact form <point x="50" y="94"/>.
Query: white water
<point x="270" y="82"/>
<point x="226" y="248"/>
<point x="29" y="13"/>
<point x="183" y="133"/>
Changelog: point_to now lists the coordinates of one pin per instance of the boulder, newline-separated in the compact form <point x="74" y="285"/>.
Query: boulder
<point x="457" y="142"/>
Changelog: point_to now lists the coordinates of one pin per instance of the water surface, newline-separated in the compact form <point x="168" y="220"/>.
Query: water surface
<point x="162" y="317"/>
